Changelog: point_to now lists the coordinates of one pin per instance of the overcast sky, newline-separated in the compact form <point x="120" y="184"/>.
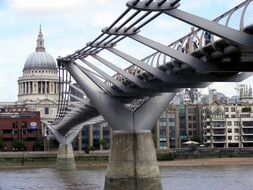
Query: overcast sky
<point x="69" y="25"/>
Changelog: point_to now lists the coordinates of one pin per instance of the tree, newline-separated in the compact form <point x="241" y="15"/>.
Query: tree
<point x="2" y="144"/>
<point x="19" y="145"/>
<point x="102" y="142"/>
<point x="246" y="109"/>
<point x="196" y="138"/>
<point x="38" y="144"/>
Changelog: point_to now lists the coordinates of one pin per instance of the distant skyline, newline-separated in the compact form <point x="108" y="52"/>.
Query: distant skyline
<point x="69" y="25"/>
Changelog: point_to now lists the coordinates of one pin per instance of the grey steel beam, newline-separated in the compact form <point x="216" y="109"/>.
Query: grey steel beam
<point x="196" y="63"/>
<point x="111" y="109"/>
<point x="120" y="85"/>
<point x="101" y="84"/>
<point x="230" y="34"/>
<point x="130" y="77"/>
<point x="195" y="78"/>
<point x="76" y="88"/>
<point x="152" y="108"/>
<point x="154" y="71"/>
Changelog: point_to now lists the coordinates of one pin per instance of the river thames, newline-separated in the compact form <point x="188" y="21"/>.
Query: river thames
<point x="173" y="178"/>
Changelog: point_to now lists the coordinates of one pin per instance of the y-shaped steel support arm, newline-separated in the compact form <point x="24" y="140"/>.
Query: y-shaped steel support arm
<point x="114" y="112"/>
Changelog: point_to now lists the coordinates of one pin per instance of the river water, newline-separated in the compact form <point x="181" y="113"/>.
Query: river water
<point x="173" y="178"/>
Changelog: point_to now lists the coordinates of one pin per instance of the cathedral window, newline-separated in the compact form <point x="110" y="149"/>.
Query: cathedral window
<point x="46" y="110"/>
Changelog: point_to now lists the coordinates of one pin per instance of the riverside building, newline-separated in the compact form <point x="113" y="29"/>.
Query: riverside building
<point x="20" y="126"/>
<point x="227" y="125"/>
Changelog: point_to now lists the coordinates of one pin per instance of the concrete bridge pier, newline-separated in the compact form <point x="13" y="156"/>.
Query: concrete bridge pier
<point x="132" y="162"/>
<point x="65" y="157"/>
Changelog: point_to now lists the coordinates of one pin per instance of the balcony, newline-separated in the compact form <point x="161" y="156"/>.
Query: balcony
<point x="247" y="133"/>
<point x="218" y="126"/>
<point x="247" y="127"/>
<point x="208" y="141"/>
<point x="6" y="135"/>
<point x="207" y="134"/>
<point x="247" y="124"/>
<point x="247" y="140"/>
<point x="219" y="134"/>
<point x="221" y="140"/>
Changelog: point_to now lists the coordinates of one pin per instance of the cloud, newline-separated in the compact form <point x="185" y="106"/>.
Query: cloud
<point x="49" y="5"/>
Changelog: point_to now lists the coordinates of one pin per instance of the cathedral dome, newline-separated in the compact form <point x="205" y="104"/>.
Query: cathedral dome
<point x="40" y="59"/>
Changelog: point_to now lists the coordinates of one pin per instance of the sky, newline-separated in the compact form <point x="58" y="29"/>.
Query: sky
<point x="69" y="25"/>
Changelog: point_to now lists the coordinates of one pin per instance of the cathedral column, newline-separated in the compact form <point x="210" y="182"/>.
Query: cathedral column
<point x="25" y="87"/>
<point x="45" y="87"/>
<point x="31" y="87"/>
<point x="50" y="87"/>
<point x="35" y="87"/>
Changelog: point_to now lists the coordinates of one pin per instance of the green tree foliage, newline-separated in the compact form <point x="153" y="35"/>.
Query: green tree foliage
<point x="2" y="144"/>
<point x="246" y="109"/>
<point x="38" y="144"/>
<point x="196" y="138"/>
<point x="19" y="145"/>
<point x="102" y="142"/>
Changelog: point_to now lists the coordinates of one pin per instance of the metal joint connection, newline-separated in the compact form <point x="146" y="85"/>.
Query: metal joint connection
<point x="61" y="63"/>
<point x="99" y="45"/>
<point x="123" y="31"/>
<point x="150" y="5"/>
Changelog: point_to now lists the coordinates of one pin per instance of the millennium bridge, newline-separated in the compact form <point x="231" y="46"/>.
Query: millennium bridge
<point x="132" y="100"/>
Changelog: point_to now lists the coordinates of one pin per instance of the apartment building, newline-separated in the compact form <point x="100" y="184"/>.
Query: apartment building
<point x="228" y="125"/>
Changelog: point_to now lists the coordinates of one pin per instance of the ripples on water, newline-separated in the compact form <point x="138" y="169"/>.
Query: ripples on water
<point x="173" y="178"/>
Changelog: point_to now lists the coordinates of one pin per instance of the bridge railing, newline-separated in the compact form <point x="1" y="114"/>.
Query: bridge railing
<point x="237" y="18"/>
<point x="63" y="90"/>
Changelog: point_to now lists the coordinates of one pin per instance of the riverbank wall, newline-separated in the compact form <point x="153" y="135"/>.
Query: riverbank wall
<point x="100" y="158"/>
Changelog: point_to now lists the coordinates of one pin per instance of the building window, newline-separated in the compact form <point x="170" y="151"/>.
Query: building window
<point x="236" y="123"/>
<point x="233" y="116"/>
<point x="229" y="130"/>
<point x="229" y="123"/>
<point x="46" y="111"/>
<point x="236" y="130"/>
<point x="217" y="115"/>
<point x="232" y="109"/>
<point x="226" y="116"/>
<point x="226" y="109"/>
<point x="229" y="137"/>
<point x="236" y="137"/>
<point x="245" y="115"/>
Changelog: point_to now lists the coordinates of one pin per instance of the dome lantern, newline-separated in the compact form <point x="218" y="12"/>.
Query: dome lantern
<point x="40" y="42"/>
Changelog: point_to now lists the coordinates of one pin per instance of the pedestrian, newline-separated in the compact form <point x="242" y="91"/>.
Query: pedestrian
<point x="207" y="37"/>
